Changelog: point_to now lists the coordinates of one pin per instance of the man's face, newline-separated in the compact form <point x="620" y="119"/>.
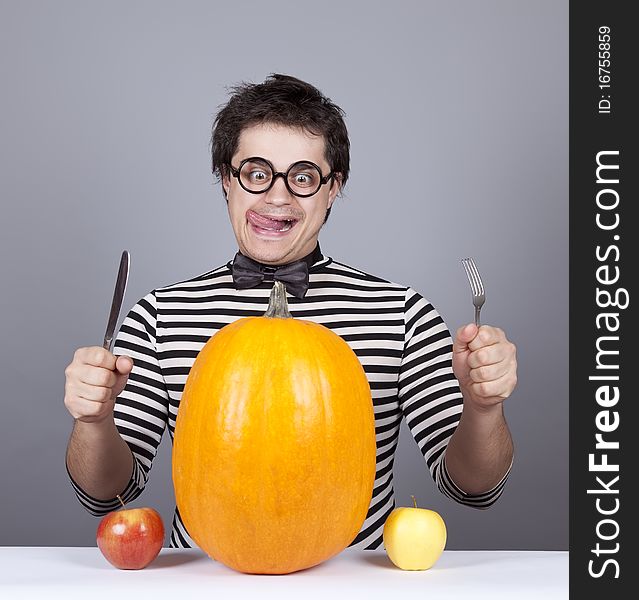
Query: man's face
<point x="258" y="220"/>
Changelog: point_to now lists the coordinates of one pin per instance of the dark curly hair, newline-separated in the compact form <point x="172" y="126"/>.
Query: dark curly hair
<point x="280" y="100"/>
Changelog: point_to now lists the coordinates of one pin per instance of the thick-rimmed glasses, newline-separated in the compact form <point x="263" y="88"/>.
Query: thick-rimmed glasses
<point x="257" y="175"/>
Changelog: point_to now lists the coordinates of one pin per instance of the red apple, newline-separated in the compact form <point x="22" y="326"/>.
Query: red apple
<point x="131" y="538"/>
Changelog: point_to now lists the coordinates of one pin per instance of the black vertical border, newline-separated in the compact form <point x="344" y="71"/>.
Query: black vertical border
<point x="592" y="132"/>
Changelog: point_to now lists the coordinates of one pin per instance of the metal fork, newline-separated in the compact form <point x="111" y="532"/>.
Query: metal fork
<point x="476" y="286"/>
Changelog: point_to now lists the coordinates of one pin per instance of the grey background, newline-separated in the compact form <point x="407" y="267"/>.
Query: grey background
<point x="458" y="116"/>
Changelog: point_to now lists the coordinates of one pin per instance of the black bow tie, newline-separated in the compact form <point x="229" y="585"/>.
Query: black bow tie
<point x="248" y="273"/>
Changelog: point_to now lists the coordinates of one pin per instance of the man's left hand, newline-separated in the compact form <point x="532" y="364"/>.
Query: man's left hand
<point x="485" y="364"/>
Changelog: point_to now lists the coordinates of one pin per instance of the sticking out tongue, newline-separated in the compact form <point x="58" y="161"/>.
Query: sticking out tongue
<point x="266" y="223"/>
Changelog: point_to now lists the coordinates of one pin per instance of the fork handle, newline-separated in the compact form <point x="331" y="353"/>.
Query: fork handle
<point x="477" y="311"/>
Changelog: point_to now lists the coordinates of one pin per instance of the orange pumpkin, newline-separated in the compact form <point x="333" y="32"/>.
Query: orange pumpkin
<point x="274" y="447"/>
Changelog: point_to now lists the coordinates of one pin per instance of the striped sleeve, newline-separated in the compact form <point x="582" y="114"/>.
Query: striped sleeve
<point x="141" y="410"/>
<point x="430" y="398"/>
<point x="100" y="508"/>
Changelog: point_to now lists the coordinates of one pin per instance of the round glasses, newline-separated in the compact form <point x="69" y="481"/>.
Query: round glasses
<point x="302" y="179"/>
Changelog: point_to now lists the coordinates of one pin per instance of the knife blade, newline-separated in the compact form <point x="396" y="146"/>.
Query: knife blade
<point x="118" y="296"/>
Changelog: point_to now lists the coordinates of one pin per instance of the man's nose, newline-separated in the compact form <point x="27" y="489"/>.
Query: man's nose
<point x="279" y="194"/>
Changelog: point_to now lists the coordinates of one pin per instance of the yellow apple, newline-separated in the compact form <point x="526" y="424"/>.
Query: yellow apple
<point x="414" y="538"/>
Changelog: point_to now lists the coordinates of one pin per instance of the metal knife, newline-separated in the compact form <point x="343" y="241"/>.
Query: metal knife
<point x="118" y="296"/>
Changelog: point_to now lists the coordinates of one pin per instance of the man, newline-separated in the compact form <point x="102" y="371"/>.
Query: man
<point x="281" y="151"/>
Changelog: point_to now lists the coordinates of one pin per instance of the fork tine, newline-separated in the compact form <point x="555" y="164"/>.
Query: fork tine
<point x="465" y="265"/>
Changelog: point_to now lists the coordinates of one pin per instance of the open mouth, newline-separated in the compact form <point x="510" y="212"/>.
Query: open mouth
<point x="273" y="225"/>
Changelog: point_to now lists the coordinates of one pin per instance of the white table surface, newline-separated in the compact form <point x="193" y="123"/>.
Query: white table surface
<point x="59" y="572"/>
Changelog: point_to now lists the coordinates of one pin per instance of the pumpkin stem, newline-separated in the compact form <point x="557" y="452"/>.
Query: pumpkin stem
<point x="277" y="304"/>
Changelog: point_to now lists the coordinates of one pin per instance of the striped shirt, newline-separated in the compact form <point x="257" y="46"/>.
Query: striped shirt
<point x="400" y="339"/>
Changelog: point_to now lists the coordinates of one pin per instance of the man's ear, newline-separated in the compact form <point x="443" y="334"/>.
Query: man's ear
<point x="226" y="181"/>
<point x="336" y="188"/>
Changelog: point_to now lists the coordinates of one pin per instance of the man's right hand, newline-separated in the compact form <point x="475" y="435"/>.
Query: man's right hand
<point x="94" y="379"/>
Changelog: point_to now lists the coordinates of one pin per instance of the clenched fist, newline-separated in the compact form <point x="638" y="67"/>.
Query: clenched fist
<point x="94" y="379"/>
<point x="485" y="364"/>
